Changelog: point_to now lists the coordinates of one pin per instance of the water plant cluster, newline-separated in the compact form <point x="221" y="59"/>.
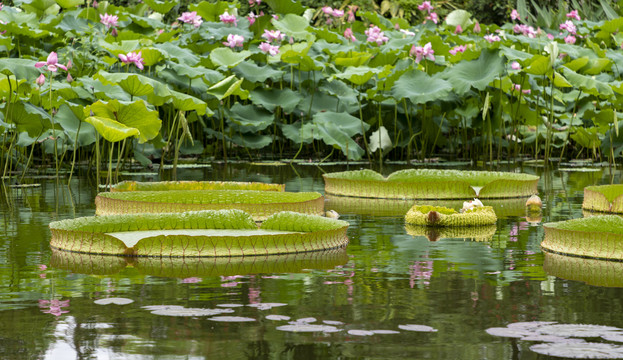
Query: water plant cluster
<point x="93" y="81"/>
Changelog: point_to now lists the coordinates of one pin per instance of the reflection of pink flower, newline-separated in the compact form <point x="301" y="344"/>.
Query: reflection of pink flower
<point x="54" y="307"/>
<point x="515" y="15"/>
<point x="254" y="296"/>
<point x="132" y="57"/>
<point x="269" y="49"/>
<point x="425" y="6"/>
<point x="228" y="19"/>
<point x="51" y="63"/>
<point x="421" y="52"/>
<point x="109" y="20"/>
<point x="234" y="41"/>
<point x="230" y="284"/>
<point x="191" y="280"/>
<point x="375" y="35"/>
<point x="420" y="270"/>
<point x="191" y="17"/>
<point x="574" y="15"/>
<point x="348" y="33"/>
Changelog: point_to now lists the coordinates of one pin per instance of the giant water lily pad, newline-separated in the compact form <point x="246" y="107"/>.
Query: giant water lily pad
<point x="440" y="216"/>
<point x="194" y="185"/>
<point x="215" y="234"/>
<point x="260" y="204"/>
<point x="604" y="198"/>
<point x="594" y="237"/>
<point x="431" y="184"/>
<point x="580" y="350"/>
<point x="595" y="272"/>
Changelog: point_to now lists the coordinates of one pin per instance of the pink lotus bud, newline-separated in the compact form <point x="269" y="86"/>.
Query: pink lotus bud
<point x="69" y="78"/>
<point x="70" y="64"/>
<point x="458" y="30"/>
<point x="113" y="32"/>
<point x="477" y="27"/>
<point x="40" y="80"/>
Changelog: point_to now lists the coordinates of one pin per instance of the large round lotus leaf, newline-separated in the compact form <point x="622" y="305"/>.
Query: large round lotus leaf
<point x="431" y="184"/>
<point x="595" y="237"/>
<point x="197" y="234"/>
<point x="260" y="204"/>
<point x="594" y="272"/>
<point x="604" y="198"/>
<point x="194" y="185"/>
<point x="426" y="215"/>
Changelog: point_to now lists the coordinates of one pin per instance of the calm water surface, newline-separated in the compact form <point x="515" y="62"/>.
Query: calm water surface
<point x="388" y="276"/>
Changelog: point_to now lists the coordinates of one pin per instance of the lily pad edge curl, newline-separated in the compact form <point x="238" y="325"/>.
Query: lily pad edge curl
<point x="604" y="198"/>
<point x="598" y="237"/>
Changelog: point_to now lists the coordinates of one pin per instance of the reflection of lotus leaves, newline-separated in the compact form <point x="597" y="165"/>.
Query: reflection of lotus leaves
<point x="427" y="215"/>
<point x="196" y="234"/>
<point x="477" y="233"/>
<point x="200" y="267"/>
<point x="604" y="198"/>
<point x="431" y="184"/>
<point x="393" y="207"/>
<point x="260" y="204"/>
<point x="194" y="185"/>
<point x="595" y="237"/>
<point x="591" y="271"/>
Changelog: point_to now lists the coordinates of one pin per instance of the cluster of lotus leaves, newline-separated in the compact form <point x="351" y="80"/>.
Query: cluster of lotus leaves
<point x="260" y="204"/>
<point x="181" y="267"/>
<point x="198" y="234"/>
<point x="431" y="184"/>
<point x="194" y="185"/>
<point x="604" y="198"/>
<point x="598" y="237"/>
<point x="440" y="216"/>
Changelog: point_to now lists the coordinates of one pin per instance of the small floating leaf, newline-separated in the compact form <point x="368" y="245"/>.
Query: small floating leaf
<point x="266" y="306"/>
<point x="175" y="311"/>
<point x="614" y="336"/>
<point x="360" y="332"/>
<point x="580" y="350"/>
<point x="385" y="332"/>
<point x="414" y="327"/>
<point x="277" y="317"/>
<point x="577" y="330"/>
<point x="231" y="319"/>
<point x="229" y="305"/>
<point x="332" y="322"/>
<point x="116" y="301"/>
<point x="550" y="338"/>
<point x="508" y="332"/>
<point x="308" y="328"/>
<point x="306" y="320"/>
<point x="529" y="325"/>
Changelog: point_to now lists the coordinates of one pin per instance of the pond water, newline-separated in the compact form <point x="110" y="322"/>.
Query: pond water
<point x="65" y="306"/>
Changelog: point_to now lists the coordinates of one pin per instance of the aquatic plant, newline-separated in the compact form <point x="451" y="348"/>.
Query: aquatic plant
<point x="439" y="216"/>
<point x="595" y="237"/>
<point x="431" y="184"/>
<point x="260" y="204"/>
<point x="476" y="233"/>
<point x="604" y="198"/>
<point x="194" y="185"/>
<point x="197" y="234"/>
<point x="594" y="272"/>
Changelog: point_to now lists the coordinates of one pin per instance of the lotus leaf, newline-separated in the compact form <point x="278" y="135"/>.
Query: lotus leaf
<point x="604" y="198"/>
<point x="431" y="184"/>
<point x="598" y="237"/>
<point x="194" y="185"/>
<point x="197" y="234"/>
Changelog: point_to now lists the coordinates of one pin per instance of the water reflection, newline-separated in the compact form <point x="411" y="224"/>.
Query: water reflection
<point x="591" y="271"/>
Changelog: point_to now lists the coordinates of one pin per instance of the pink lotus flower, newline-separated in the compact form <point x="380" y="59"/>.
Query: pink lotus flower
<point x="273" y="35"/>
<point x="515" y="15"/>
<point x="327" y="10"/>
<point x="69" y="78"/>
<point x="550" y="36"/>
<point x="421" y="52"/>
<point x="457" y="49"/>
<point x="348" y="33"/>
<point x="433" y="17"/>
<point x="234" y="41"/>
<point x="375" y="35"/>
<point x="191" y="17"/>
<point x="269" y="49"/>
<point x="569" y="26"/>
<point x="251" y="17"/>
<point x="570" y="39"/>
<point x="51" y="63"/>
<point x="526" y="30"/>
<point x="492" y="38"/>
<point x="133" y="57"/>
<point x="515" y="65"/>
<point x="425" y="6"/>
<point x="337" y="13"/>
<point x="252" y="3"/>
<point x="109" y="20"/>
<point x="458" y="30"/>
<point x="40" y="81"/>
<point x="351" y="13"/>
<point x="574" y="15"/>
<point x="228" y="19"/>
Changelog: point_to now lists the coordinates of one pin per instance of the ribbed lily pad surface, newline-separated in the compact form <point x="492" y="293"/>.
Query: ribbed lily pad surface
<point x="439" y="216"/>
<point x="96" y="234"/>
<point x="180" y="267"/>
<point x="260" y="204"/>
<point x="431" y="184"/>
<point x="194" y="185"/>
<point x="595" y="237"/>
<point x="604" y="198"/>
<point x="476" y="233"/>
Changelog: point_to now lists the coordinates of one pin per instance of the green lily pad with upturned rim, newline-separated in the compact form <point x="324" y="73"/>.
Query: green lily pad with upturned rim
<point x="476" y="233"/>
<point x="599" y="237"/>
<point x="260" y="204"/>
<point x="604" y="198"/>
<point x="431" y="184"/>
<point x="284" y="232"/>
<point x="194" y="185"/>
<point x="594" y="272"/>
<point x="440" y="216"/>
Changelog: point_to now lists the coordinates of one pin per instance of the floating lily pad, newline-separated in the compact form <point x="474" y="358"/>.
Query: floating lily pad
<point x="529" y="325"/>
<point x="332" y="322"/>
<point x="550" y="338"/>
<point x="115" y="301"/>
<point x="266" y="306"/>
<point x="229" y="305"/>
<point x="231" y="319"/>
<point x="595" y="272"/>
<point x="260" y="204"/>
<point x="183" y="312"/>
<point x="440" y="216"/>
<point x="277" y="317"/>
<point x="613" y="336"/>
<point x="604" y="198"/>
<point x="577" y="330"/>
<point x="415" y="327"/>
<point x="302" y="327"/>
<point x="385" y="332"/>
<point x="194" y="185"/>
<point x="285" y="232"/>
<point x="476" y="233"/>
<point x="509" y="332"/>
<point x="356" y="332"/>
<point x="579" y="350"/>
<point x="595" y="237"/>
<point x="306" y="320"/>
<point x="431" y="184"/>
